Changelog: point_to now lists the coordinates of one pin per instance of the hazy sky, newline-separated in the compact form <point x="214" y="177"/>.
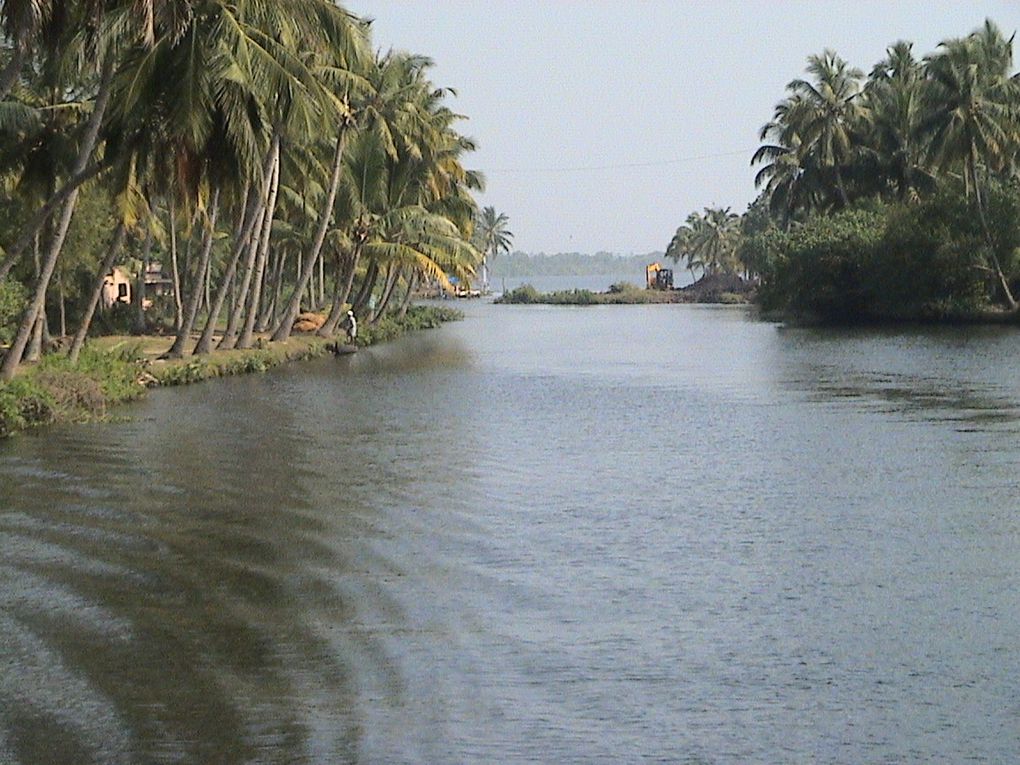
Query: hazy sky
<point x="602" y="124"/>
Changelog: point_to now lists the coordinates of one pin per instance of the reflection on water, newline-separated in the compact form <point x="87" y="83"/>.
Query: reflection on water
<point x="543" y="534"/>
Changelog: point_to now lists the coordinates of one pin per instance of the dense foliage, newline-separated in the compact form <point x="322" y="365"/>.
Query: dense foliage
<point x="255" y="156"/>
<point x="891" y="195"/>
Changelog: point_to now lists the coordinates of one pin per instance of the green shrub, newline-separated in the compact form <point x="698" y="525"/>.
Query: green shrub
<point x="417" y="317"/>
<point x="916" y="260"/>
<point x="100" y="376"/>
<point x="820" y="267"/>
<point x="525" y="294"/>
<point x="192" y="371"/>
<point x="119" y="319"/>
<point x="929" y="260"/>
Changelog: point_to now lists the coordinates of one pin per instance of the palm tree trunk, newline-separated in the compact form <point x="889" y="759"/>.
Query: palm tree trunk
<point x="274" y="284"/>
<point x="206" y="287"/>
<point x="390" y="284"/>
<point x="841" y="187"/>
<point x="1003" y="282"/>
<point x="229" y="339"/>
<point x="250" y="217"/>
<point x="177" y="349"/>
<point x="242" y="287"/>
<point x="282" y="333"/>
<point x="174" y="268"/>
<point x="367" y="288"/>
<point x="322" y="281"/>
<point x="97" y="292"/>
<point x="255" y="301"/>
<point x="140" y="282"/>
<point x="412" y="285"/>
<point x="341" y="292"/>
<point x="63" y="311"/>
<point x="34" y="350"/>
<point x="87" y="146"/>
<point x="278" y="290"/>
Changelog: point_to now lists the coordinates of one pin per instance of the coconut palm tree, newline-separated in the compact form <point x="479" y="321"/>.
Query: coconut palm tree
<point x="707" y="241"/>
<point x="828" y="114"/>
<point x="491" y="238"/>
<point x="894" y="97"/>
<point x="790" y="176"/>
<point x="972" y="116"/>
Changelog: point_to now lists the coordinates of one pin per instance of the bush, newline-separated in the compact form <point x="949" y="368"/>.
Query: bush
<point x="23" y="403"/>
<point x="819" y="268"/>
<point x="417" y="317"/>
<point x="526" y="294"/>
<point x="119" y="319"/>
<point x="927" y="259"/>
<point x="54" y="390"/>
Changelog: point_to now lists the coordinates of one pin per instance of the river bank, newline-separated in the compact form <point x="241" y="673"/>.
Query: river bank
<point x="117" y="369"/>
<point x="723" y="289"/>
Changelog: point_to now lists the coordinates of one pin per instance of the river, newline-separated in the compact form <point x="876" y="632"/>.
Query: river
<point x="543" y="534"/>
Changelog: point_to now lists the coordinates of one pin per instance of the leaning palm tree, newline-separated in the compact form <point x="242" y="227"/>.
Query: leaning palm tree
<point x="972" y="116"/>
<point x="491" y="238"/>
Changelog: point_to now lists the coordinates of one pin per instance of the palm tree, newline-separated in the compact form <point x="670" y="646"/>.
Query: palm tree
<point x="972" y="116"/>
<point x="894" y="96"/>
<point x="790" y="176"/>
<point x="829" y="113"/>
<point x="707" y="241"/>
<point x="36" y="304"/>
<point x="491" y="238"/>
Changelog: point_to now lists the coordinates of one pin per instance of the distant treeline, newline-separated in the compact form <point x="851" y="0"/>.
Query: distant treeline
<point x="518" y="264"/>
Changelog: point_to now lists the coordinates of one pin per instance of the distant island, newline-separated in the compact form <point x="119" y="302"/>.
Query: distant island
<point x="724" y="289"/>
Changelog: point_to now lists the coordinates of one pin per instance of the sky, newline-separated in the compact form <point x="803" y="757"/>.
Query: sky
<point x="602" y="124"/>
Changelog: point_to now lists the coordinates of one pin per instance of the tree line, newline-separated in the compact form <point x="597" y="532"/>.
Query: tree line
<point x="261" y="151"/>
<point x="909" y="169"/>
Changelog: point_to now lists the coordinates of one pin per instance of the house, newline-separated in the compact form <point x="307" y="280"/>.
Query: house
<point x="157" y="282"/>
<point x="116" y="288"/>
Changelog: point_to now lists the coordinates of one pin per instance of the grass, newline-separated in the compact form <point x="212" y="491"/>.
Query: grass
<point x="116" y="369"/>
<point x="618" y="294"/>
<point x="725" y="289"/>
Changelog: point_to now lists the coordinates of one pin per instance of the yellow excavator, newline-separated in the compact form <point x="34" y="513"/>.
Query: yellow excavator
<point x="658" y="278"/>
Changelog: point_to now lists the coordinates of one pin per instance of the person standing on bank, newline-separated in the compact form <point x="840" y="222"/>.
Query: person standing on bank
<point x="351" y="325"/>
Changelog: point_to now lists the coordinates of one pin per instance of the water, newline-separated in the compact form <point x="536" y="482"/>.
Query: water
<point x="615" y="534"/>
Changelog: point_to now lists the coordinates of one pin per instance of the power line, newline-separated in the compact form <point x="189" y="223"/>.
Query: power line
<point x="583" y="168"/>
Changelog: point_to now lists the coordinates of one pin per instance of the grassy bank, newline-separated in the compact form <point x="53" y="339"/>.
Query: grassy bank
<point x="115" y="370"/>
<point x="703" y="291"/>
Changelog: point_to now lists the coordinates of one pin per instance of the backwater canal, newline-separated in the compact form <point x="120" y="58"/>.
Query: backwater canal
<point x="559" y="535"/>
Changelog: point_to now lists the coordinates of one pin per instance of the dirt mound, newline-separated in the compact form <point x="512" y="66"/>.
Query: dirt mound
<point x="718" y="288"/>
<point x="309" y="322"/>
